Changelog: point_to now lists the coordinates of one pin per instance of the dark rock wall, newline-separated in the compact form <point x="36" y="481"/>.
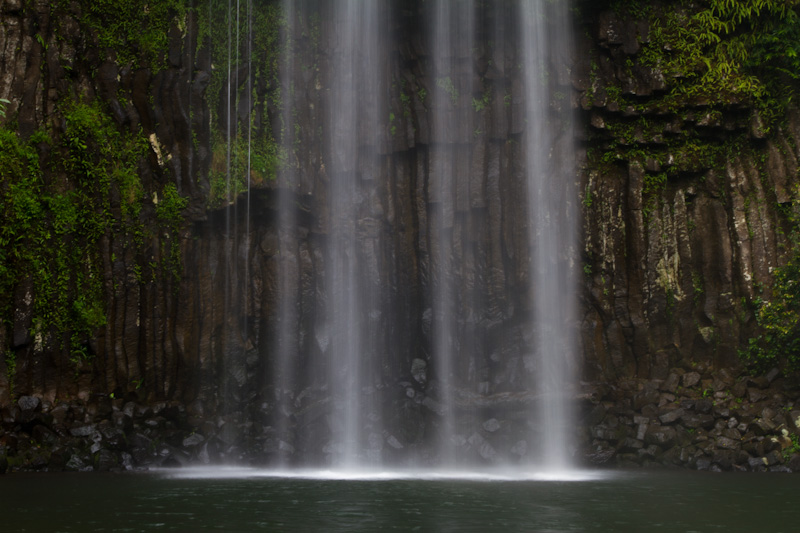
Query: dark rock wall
<point x="671" y="274"/>
<point x="667" y="277"/>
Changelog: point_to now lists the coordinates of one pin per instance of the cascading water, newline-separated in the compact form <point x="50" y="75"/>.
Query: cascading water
<point x="285" y="345"/>
<point x="452" y="35"/>
<point x="551" y="230"/>
<point x="340" y="371"/>
<point x="349" y="294"/>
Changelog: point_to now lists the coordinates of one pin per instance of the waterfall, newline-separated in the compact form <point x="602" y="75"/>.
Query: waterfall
<point x="285" y="347"/>
<point x="356" y="428"/>
<point x="551" y="232"/>
<point x="452" y="39"/>
<point x="335" y="394"/>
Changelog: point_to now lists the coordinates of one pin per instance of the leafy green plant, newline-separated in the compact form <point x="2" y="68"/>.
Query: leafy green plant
<point x="137" y="30"/>
<point x="724" y="51"/>
<point x="479" y="104"/>
<point x="3" y="103"/>
<point x="239" y="164"/>
<point x="52" y="229"/>
<point x="169" y="210"/>
<point x="778" y="315"/>
<point x="447" y="85"/>
<point x="588" y="198"/>
<point x="11" y="371"/>
<point x="793" y="448"/>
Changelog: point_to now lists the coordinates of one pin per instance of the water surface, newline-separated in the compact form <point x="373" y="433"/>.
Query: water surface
<point x="249" y="500"/>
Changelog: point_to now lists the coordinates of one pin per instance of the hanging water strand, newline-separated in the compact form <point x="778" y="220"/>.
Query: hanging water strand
<point x="246" y="246"/>
<point x="285" y="345"/>
<point x="228" y="272"/>
<point x="452" y="35"/>
<point x="348" y="372"/>
<point x="551" y="235"/>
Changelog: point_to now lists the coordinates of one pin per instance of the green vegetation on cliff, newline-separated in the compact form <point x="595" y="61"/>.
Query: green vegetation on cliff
<point x="778" y="316"/>
<point x="136" y="30"/>
<point x="691" y="96"/>
<point x="728" y="51"/>
<point x="246" y="46"/>
<point x="56" y="212"/>
<point x="82" y="198"/>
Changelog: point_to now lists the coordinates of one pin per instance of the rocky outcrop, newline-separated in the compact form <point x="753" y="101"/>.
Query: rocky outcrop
<point x="696" y="418"/>
<point x="102" y="435"/>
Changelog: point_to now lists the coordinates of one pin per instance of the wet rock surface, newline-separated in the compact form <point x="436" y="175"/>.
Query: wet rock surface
<point x="711" y="424"/>
<point x="108" y="434"/>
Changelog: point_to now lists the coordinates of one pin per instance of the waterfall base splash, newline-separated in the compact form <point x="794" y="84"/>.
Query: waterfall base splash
<point x="385" y="475"/>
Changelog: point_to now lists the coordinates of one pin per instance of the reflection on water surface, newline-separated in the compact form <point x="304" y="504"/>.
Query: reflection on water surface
<point x="253" y="500"/>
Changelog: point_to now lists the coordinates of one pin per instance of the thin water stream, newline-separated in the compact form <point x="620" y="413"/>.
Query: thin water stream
<point x="552" y="223"/>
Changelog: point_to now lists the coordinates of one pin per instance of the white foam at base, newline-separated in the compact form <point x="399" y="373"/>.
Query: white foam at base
<point x="234" y="472"/>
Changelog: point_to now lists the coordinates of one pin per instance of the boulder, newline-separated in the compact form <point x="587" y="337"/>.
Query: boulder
<point x="491" y="425"/>
<point x="83" y="431"/>
<point x="690" y="379"/>
<point x="663" y="436"/>
<point x="59" y="456"/>
<point x="671" y="416"/>
<point x="43" y="435"/>
<point x="761" y="427"/>
<point x="482" y="446"/>
<point x="727" y="443"/>
<point x="78" y="463"/>
<point x="695" y="420"/>
<point x="645" y="397"/>
<point x="195" y="439"/>
<point x="105" y="461"/>
<point x="670" y="384"/>
<point x="29" y="404"/>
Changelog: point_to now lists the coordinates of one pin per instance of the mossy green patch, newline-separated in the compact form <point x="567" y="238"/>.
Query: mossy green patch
<point x="136" y="30"/>
<point x="247" y="46"/>
<point x="777" y="343"/>
<point x="56" y="212"/>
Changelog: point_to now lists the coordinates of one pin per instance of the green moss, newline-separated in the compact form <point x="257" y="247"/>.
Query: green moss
<point x="169" y="212"/>
<point x="479" y="104"/>
<point x="243" y="153"/>
<point x="51" y="231"/>
<point x="718" y="52"/>
<point x="234" y="166"/>
<point x="777" y="343"/>
<point x="446" y="84"/>
<point x="11" y="371"/>
<point x="136" y="30"/>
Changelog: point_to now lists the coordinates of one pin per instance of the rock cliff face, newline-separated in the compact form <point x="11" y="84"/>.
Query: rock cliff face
<point x="673" y="248"/>
<point x="676" y="247"/>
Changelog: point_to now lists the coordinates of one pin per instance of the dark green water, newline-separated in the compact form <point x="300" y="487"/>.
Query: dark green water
<point x="635" y="502"/>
